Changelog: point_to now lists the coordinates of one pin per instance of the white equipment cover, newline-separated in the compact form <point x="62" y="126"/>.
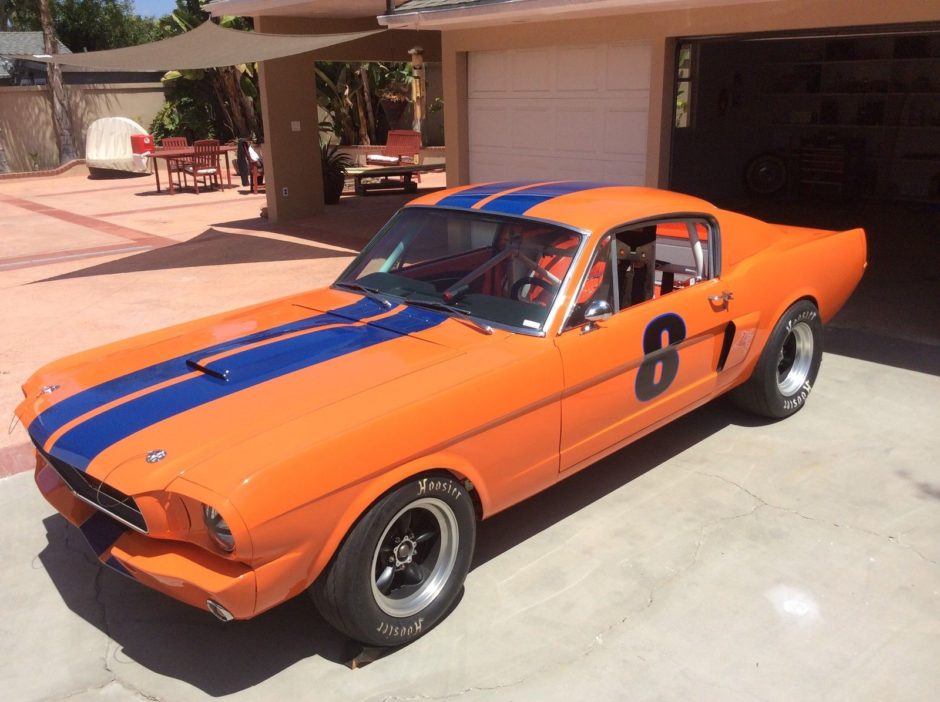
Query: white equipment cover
<point x="108" y="145"/>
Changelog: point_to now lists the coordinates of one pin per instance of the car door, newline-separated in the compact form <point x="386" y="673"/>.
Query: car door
<point x="658" y="352"/>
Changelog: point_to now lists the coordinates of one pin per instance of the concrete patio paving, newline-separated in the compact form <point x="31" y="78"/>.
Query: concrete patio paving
<point x="721" y="558"/>
<point x="84" y="262"/>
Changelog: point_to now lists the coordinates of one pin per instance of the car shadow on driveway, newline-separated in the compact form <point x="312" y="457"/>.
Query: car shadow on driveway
<point x="173" y="639"/>
<point x="510" y="528"/>
<point x="179" y="641"/>
<point x="211" y="248"/>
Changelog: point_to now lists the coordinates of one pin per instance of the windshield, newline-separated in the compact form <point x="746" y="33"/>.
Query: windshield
<point x="502" y="270"/>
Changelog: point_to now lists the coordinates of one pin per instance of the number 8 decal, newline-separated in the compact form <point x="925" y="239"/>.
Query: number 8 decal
<point x="657" y="353"/>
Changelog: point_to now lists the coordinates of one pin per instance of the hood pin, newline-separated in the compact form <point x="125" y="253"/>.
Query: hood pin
<point x="156" y="455"/>
<point x="48" y="389"/>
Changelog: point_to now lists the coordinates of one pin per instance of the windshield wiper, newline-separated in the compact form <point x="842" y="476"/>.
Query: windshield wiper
<point x="371" y="293"/>
<point x="465" y="314"/>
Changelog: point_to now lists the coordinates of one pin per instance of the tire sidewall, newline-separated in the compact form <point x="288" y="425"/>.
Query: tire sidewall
<point x="373" y="625"/>
<point x="778" y="404"/>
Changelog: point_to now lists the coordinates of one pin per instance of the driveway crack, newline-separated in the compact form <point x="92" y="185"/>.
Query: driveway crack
<point x="891" y="538"/>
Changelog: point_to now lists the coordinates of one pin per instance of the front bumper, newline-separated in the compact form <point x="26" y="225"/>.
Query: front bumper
<point x="181" y="570"/>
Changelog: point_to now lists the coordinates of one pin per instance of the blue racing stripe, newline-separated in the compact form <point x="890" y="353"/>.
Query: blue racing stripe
<point x="71" y="408"/>
<point x="80" y="445"/>
<point x="521" y="201"/>
<point x="471" y="196"/>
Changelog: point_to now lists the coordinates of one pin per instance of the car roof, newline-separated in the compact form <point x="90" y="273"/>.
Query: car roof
<point x="583" y="205"/>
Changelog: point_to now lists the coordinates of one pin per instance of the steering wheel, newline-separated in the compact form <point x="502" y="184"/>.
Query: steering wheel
<point x="516" y="291"/>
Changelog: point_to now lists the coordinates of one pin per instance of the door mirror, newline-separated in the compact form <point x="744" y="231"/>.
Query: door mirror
<point x="597" y="311"/>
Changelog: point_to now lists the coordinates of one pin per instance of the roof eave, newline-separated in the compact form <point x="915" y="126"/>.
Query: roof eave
<point x="536" y="10"/>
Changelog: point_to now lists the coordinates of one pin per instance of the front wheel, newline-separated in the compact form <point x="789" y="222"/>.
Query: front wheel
<point x="787" y="368"/>
<point x="402" y="565"/>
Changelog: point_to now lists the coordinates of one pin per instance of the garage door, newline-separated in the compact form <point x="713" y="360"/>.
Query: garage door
<point x="578" y="112"/>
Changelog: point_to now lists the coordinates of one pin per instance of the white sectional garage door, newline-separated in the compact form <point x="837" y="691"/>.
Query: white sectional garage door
<point x="572" y="112"/>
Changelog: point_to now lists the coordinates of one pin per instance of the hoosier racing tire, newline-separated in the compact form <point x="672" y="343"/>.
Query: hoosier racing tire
<point x="786" y="371"/>
<point x="402" y="566"/>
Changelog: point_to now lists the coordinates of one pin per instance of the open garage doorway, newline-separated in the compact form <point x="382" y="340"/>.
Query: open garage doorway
<point x="830" y="129"/>
<point x="853" y="114"/>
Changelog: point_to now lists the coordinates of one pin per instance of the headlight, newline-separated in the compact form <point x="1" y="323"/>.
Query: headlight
<point x="218" y="529"/>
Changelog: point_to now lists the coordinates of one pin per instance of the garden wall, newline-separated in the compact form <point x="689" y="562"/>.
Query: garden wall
<point x="26" y="117"/>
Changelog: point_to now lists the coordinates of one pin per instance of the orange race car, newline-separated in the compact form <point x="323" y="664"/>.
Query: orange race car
<point x="490" y="341"/>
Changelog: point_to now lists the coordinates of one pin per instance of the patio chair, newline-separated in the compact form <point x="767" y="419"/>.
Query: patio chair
<point x="204" y="163"/>
<point x="175" y="167"/>
<point x="403" y="146"/>
<point x="250" y="165"/>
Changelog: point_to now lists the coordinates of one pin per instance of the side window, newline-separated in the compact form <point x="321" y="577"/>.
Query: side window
<point x="598" y="284"/>
<point x="644" y="262"/>
<point x="659" y="258"/>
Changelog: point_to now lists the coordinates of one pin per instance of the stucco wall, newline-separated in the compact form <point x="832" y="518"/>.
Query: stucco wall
<point x="660" y="29"/>
<point x="26" y="117"/>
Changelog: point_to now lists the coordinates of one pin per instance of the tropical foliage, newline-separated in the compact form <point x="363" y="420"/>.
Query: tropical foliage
<point x="229" y="95"/>
<point x="334" y="164"/>
<point x="184" y="116"/>
<point x="358" y="98"/>
<point x="84" y="25"/>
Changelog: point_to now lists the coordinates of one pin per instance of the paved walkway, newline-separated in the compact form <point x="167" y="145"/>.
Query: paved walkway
<point x="84" y="262"/>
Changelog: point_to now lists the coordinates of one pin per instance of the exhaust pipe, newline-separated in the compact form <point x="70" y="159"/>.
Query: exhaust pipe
<point x="219" y="611"/>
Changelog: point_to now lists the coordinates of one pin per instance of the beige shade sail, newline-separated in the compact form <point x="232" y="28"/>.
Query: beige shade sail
<point x="206" y="46"/>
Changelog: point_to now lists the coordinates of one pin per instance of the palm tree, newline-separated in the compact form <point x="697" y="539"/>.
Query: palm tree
<point x="61" y="117"/>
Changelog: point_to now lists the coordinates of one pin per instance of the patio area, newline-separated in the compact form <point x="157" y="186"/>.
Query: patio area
<point x="84" y="262"/>
<point x="720" y="557"/>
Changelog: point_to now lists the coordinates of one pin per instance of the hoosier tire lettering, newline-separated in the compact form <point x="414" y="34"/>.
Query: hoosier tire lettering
<point x="447" y="487"/>
<point x="795" y="402"/>
<point x="409" y="632"/>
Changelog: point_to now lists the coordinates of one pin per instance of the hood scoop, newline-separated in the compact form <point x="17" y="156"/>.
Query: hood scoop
<point x="215" y="373"/>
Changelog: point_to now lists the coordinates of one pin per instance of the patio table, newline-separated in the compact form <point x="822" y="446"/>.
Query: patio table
<point x="405" y="172"/>
<point x="183" y="153"/>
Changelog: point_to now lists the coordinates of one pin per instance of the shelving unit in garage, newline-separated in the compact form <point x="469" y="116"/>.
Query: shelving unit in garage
<point x="863" y="112"/>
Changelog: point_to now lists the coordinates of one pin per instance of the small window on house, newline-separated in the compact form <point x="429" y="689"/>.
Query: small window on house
<point x="684" y="73"/>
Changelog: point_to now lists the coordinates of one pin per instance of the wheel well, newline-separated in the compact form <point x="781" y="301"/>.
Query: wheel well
<point x="808" y="298"/>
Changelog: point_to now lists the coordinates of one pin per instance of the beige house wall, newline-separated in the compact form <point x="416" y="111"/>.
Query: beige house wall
<point x="26" y="117"/>
<point x="660" y="29"/>
<point x="289" y="104"/>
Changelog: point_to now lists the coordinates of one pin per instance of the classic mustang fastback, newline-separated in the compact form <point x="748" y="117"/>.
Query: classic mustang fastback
<point x="490" y="341"/>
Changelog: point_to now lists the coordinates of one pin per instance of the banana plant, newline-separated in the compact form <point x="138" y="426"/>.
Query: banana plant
<point x="234" y="88"/>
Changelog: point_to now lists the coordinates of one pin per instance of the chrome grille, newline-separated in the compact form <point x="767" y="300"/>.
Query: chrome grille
<point x="98" y="494"/>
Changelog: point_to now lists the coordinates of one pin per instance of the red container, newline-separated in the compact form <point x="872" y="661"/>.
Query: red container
<point x="141" y="143"/>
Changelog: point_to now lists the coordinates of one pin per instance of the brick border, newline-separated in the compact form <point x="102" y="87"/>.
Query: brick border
<point x="43" y="174"/>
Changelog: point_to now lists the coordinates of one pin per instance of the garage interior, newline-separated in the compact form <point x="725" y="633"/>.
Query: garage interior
<point x="833" y="129"/>
<point x="844" y="116"/>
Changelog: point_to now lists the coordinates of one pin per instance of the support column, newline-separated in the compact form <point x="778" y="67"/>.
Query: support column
<point x="456" y="121"/>
<point x="418" y="89"/>
<point x="291" y="136"/>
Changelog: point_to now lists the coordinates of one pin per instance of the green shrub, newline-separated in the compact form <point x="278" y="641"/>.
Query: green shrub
<point x="184" y="116"/>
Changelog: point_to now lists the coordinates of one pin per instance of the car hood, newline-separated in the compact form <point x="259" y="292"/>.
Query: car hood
<point x="140" y="413"/>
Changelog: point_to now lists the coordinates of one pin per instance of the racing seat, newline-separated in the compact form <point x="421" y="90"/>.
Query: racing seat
<point x="636" y="260"/>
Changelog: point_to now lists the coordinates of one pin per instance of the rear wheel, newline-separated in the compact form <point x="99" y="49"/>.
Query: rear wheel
<point x="784" y="376"/>
<point x="402" y="565"/>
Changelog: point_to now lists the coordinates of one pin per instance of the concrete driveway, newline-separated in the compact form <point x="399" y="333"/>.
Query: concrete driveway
<point x="721" y="558"/>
